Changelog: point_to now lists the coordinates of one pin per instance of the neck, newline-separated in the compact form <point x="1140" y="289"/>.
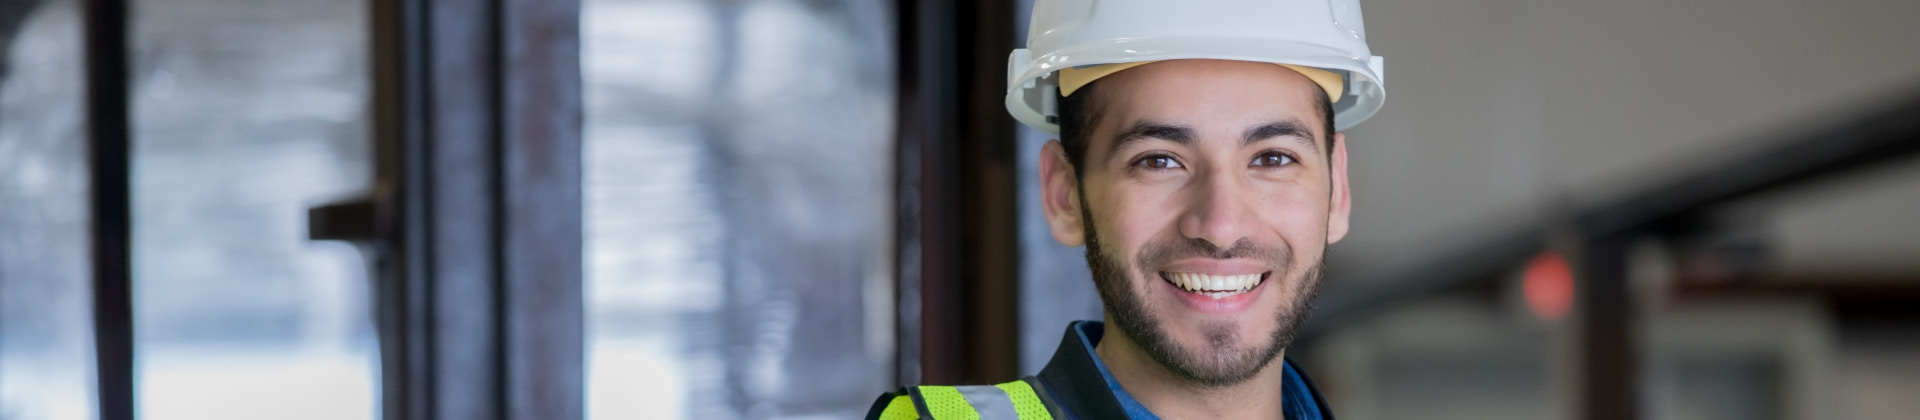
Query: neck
<point x="1172" y="397"/>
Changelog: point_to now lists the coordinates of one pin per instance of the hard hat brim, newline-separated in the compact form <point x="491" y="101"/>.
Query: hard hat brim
<point x="1033" y="81"/>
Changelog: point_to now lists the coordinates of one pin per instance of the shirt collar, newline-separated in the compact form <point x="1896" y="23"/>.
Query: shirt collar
<point x="1068" y="377"/>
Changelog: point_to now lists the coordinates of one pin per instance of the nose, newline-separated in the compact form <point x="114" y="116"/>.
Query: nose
<point x="1219" y="212"/>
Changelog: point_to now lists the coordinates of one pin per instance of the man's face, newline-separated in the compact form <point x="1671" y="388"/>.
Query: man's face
<point x="1206" y="200"/>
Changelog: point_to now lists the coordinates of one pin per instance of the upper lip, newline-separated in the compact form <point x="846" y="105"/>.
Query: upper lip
<point x="1216" y="267"/>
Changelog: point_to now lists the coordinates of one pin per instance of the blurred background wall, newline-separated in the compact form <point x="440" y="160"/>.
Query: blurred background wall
<point x="1508" y="113"/>
<point x="756" y="240"/>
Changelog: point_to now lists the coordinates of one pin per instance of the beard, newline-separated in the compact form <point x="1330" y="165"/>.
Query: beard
<point x="1226" y="358"/>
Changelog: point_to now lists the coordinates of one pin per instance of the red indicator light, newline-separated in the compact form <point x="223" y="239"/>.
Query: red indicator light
<point x="1548" y="286"/>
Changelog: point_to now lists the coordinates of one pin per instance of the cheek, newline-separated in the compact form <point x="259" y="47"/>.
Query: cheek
<point x="1297" y="215"/>
<point x="1133" y="216"/>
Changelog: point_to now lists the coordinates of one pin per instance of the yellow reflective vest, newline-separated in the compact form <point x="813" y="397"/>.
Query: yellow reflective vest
<point x="1074" y="385"/>
<point x="1008" y="401"/>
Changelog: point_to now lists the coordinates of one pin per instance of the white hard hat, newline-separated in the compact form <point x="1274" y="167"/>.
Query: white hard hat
<point x="1301" y="34"/>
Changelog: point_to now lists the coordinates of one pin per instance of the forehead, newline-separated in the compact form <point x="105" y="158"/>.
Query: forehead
<point x="1212" y="96"/>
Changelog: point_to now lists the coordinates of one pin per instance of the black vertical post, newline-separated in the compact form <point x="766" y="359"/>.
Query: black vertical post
<point x="959" y="232"/>
<point x="918" y="117"/>
<point x="1609" y="346"/>
<point x="108" y="157"/>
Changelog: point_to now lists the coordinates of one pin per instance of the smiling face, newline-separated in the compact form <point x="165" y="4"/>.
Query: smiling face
<point x="1207" y="194"/>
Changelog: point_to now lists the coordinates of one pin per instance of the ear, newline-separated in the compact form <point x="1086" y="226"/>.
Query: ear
<point x="1341" y="207"/>
<point x="1060" y="195"/>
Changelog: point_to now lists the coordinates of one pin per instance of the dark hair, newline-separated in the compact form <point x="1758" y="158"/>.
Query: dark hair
<point x="1078" y="113"/>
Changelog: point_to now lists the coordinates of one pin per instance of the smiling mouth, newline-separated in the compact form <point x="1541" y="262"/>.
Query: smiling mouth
<point x="1214" y="286"/>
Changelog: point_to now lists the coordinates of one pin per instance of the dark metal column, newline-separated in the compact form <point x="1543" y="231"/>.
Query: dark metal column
<point x="959" y="237"/>
<point x="1609" y="345"/>
<point x="110" y="204"/>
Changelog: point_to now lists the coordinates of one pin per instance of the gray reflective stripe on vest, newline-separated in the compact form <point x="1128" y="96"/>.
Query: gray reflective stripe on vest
<point x="991" y="402"/>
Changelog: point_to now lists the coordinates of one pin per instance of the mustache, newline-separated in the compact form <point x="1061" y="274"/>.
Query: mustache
<point x="1163" y="252"/>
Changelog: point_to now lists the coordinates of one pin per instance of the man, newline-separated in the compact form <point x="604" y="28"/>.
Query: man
<point x="1199" y="163"/>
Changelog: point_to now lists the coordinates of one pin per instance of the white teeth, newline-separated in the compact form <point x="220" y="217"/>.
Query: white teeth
<point x="1213" y="286"/>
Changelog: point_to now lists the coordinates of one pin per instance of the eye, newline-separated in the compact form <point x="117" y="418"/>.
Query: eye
<point x="1272" y="159"/>
<point x="1158" y="162"/>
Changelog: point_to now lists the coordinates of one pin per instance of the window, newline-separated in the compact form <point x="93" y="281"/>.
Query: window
<point x="246" y="113"/>
<point x="739" y="207"/>
<point x="46" y="340"/>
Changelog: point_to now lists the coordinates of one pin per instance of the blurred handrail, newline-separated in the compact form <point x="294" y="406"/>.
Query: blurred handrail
<point x="1873" y="138"/>
<point x="1842" y="147"/>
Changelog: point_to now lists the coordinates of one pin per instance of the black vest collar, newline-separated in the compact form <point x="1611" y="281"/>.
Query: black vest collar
<point x="1074" y="382"/>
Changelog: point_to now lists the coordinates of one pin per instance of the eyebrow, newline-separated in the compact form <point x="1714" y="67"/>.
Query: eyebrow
<point x="1288" y="128"/>
<point x="1143" y="130"/>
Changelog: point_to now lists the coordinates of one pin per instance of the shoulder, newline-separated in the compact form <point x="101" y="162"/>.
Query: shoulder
<point x="896" y="405"/>
<point x="1010" y="400"/>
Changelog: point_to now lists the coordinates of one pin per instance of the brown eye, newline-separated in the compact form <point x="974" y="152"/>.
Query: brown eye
<point x="1272" y="159"/>
<point x="1158" y="162"/>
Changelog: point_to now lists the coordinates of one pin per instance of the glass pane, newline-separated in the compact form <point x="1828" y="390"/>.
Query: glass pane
<point x="739" y="178"/>
<point x="246" y="113"/>
<point x="46" y="339"/>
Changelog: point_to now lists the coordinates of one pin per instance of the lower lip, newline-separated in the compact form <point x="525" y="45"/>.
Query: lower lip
<point x="1228" y="305"/>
